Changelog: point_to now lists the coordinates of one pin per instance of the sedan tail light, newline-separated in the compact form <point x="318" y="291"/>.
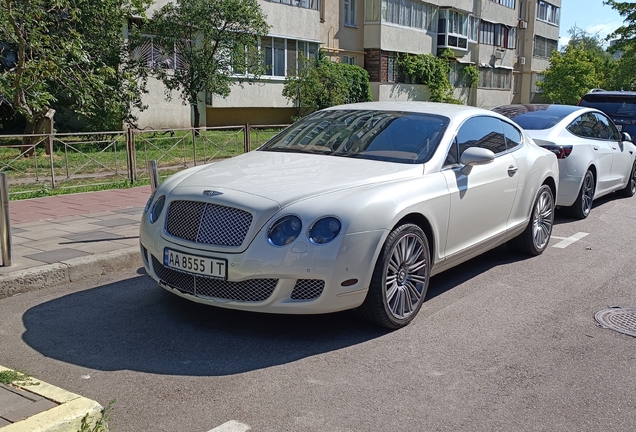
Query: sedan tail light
<point x="561" y="151"/>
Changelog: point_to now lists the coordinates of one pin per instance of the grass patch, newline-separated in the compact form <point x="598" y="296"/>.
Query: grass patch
<point x="16" y="377"/>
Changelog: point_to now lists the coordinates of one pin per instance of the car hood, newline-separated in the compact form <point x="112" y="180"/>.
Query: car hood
<point x="289" y="177"/>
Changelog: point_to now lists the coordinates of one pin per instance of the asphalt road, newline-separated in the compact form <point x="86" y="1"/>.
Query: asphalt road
<point x="502" y="343"/>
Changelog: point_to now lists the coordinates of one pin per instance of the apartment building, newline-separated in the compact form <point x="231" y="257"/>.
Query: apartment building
<point x="509" y="41"/>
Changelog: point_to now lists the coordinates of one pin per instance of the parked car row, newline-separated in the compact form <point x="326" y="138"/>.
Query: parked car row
<point x="357" y="206"/>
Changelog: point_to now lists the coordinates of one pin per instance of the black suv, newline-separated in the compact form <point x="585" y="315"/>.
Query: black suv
<point x="620" y="106"/>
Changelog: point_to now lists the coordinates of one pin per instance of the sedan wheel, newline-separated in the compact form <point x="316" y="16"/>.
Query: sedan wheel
<point x="630" y="188"/>
<point x="400" y="279"/>
<point x="583" y="204"/>
<point x="536" y="236"/>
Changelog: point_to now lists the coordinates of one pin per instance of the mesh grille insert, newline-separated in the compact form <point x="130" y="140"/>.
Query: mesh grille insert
<point x="307" y="289"/>
<point x="207" y="223"/>
<point x="251" y="290"/>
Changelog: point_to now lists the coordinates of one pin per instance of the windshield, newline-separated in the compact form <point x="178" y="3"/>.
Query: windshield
<point x="402" y="137"/>
<point x="616" y="106"/>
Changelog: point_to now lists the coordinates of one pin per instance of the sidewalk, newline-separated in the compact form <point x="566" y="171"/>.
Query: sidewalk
<point x="63" y="238"/>
<point x="57" y="240"/>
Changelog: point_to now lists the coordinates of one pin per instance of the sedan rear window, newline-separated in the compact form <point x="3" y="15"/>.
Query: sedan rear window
<point x="402" y="137"/>
<point x="541" y="116"/>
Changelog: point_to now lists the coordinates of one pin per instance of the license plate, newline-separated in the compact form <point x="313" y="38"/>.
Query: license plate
<point x="204" y="266"/>
<point x="619" y="127"/>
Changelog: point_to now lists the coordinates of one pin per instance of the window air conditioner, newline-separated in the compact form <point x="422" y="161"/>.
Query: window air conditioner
<point x="499" y="54"/>
<point x="521" y="60"/>
<point x="523" y="24"/>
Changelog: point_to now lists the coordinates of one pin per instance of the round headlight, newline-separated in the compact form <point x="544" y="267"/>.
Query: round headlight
<point x="157" y="209"/>
<point x="284" y="231"/>
<point x="152" y="197"/>
<point x="324" y="230"/>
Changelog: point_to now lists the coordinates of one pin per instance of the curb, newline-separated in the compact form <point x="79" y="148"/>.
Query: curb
<point x="72" y="270"/>
<point x="66" y="417"/>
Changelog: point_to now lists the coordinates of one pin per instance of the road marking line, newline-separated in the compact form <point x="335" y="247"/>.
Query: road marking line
<point x="558" y="238"/>
<point x="231" y="426"/>
<point x="568" y="241"/>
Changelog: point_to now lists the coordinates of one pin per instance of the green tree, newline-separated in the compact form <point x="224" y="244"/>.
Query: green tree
<point x="322" y="83"/>
<point x="215" y="42"/>
<point x="571" y="74"/>
<point x="69" y="53"/>
<point x="431" y="71"/>
<point x="624" y="75"/>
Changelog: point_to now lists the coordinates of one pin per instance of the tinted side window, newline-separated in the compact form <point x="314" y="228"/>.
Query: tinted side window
<point x="484" y="132"/>
<point x="585" y="126"/>
<point x="612" y="132"/>
<point x="453" y="154"/>
<point x="512" y="134"/>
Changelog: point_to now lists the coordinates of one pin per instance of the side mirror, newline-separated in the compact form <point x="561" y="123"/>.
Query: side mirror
<point x="626" y="136"/>
<point x="476" y="156"/>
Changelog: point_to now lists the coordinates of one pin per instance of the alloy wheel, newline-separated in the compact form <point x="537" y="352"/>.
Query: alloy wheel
<point x="587" y="193"/>
<point x="543" y="219"/>
<point x="406" y="276"/>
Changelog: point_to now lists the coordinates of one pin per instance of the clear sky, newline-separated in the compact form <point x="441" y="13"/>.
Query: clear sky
<point x="589" y="15"/>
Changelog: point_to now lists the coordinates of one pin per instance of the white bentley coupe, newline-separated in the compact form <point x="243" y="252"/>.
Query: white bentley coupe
<point x="354" y="206"/>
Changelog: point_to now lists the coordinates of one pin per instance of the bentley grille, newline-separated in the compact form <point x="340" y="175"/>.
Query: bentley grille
<point x="211" y="224"/>
<point x="252" y="290"/>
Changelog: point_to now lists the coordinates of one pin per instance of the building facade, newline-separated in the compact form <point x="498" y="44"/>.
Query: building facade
<point x="509" y="41"/>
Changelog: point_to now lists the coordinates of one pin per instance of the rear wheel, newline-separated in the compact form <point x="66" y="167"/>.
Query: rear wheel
<point x="583" y="204"/>
<point x="630" y="189"/>
<point x="400" y="279"/>
<point x="534" y="239"/>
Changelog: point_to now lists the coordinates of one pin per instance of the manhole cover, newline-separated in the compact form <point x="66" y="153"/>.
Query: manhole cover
<point x="622" y="320"/>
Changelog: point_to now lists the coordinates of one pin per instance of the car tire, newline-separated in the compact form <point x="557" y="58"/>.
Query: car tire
<point x="583" y="204"/>
<point x="400" y="279"/>
<point x="630" y="189"/>
<point x="535" y="238"/>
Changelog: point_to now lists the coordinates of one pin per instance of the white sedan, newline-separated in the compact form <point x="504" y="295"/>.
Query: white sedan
<point x="595" y="159"/>
<point x="355" y="206"/>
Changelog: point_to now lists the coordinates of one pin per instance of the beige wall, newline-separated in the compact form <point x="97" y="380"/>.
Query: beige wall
<point x="160" y="112"/>
<point x="259" y="95"/>
<point x="489" y="98"/>
<point x="253" y="116"/>
<point x="292" y="22"/>
<point x="399" y="92"/>
<point x="395" y="38"/>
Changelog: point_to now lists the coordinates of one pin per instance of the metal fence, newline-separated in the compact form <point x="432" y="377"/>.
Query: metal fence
<point x="73" y="160"/>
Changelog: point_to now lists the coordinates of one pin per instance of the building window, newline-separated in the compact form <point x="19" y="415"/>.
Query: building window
<point x="408" y="13"/>
<point x="154" y="56"/>
<point x="497" y="78"/>
<point x="543" y="47"/>
<point x="281" y="56"/>
<point x="537" y="77"/>
<point x="515" y="83"/>
<point x="391" y="75"/>
<point x="507" y="3"/>
<point x="306" y="4"/>
<point x="350" y="12"/>
<point x="548" y="12"/>
<point x="372" y="10"/>
<point x="497" y="35"/>
<point x="349" y="59"/>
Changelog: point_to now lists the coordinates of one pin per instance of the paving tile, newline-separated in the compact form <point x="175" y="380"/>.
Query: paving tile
<point x="10" y="401"/>
<point x="57" y="255"/>
<point x="29" y="410"/>
<point x="90" y="237"/>
<point x="128" y="241"/>
<point x="3" y="422"/>
<point x="16" y="230"/>
<point x="106" y="246"/>
<point x="20" y="263"/>
<point x="42" y="233"/>
<point x="116" y="222"/>
<point x="131" y="210"/>
<point x="43" y="245"/>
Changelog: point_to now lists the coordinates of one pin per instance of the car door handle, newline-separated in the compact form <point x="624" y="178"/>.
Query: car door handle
<point x="595" y="148"/>
<point x="512" y="170"/>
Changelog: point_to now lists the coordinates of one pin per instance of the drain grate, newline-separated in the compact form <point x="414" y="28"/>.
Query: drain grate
<point x="622" y="320"/>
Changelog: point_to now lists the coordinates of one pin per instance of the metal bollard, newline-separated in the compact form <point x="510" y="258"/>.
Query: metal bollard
<point x="154" y="174"/>
<point x="5" y="222"/>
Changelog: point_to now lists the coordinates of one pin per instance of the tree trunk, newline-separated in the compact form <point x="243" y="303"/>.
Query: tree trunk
<point x="197" y="118"/>
<point x="41" y="123"/>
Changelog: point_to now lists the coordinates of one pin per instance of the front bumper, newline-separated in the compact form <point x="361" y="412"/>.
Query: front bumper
<point x="300" y="278"/>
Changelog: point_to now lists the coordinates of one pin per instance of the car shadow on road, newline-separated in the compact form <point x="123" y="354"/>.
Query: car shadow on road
<point x="136" y="325"/>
